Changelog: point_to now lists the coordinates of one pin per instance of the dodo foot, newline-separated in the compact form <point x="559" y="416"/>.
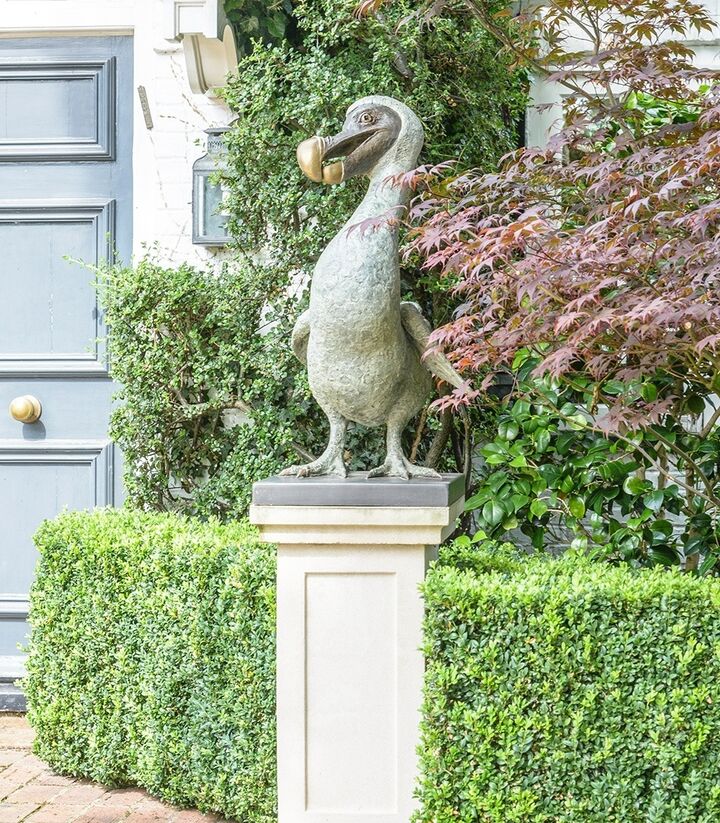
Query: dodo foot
<point x="318" y="468"/>
<point x="401" y="467"/>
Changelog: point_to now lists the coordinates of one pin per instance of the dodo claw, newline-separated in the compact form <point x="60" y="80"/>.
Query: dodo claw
<point x="404" y="469"/>
<point x="316" y="469"/>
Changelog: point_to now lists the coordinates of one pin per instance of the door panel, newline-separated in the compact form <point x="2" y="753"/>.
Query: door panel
<point x="72" y="111"/>
<point x="65" y="205"/>
<point x="44" y="241"/>
<point x="71" y="475"/>
<point x="73" y="409"/>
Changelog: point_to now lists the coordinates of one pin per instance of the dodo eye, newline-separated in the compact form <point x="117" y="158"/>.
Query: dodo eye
<point x="367" y="118"/>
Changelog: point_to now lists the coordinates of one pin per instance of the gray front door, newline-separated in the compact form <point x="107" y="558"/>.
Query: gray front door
<point x="65" y="196"/>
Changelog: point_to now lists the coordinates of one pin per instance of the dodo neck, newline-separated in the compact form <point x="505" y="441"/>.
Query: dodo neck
<point x="383" y="195"/>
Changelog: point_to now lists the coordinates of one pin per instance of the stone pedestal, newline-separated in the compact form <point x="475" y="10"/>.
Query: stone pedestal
<point x="351" y="555"/>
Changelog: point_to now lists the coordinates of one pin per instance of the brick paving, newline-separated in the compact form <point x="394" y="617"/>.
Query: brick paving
<point x="31" y="793"/>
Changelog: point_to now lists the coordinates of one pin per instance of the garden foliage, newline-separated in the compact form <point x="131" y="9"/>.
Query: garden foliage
<point x="557" y="691"/>
<point x="596" y="257"/>
<point x="601" y="246"/>
<point x="152" y="659"/>
<point x="566" y="691"/>
<point x="212" y="396"/>
<point x="208" y="403"/>
<point x="551" y="474"/>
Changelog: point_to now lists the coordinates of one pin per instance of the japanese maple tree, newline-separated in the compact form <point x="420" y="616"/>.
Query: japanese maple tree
<point x="597" y="255"/>
<point x="601" y="249"/>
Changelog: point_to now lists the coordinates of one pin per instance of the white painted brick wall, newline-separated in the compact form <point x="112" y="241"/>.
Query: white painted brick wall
<point x="168" y="151"/>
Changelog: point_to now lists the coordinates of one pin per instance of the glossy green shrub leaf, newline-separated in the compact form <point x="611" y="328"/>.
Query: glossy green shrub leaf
<point x="649" y="392"/>
<point x="663" y="528"/>
<point x="654" y="500"/>
<point x="493" y="512"/>
<point x="538" y="507"/>
<point x="614" y="387"/>
<point x="663" y="555"/>
<point x="695" y="404"/>
<point x="576" y="507"/>
<point x="542" y="440"/>
<point x="518" y="501"/>
<point x="636" y="485"/>
<point x="508" y="430"/>
<point x="496" y="480"/>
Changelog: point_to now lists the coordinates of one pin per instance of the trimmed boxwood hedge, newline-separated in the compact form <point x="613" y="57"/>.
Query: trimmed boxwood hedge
<point x="557" y="691"/>
<point x="569" y="692"/>
<point x="152" y="658"/>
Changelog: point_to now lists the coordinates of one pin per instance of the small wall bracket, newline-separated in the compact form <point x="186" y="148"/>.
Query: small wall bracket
<point x="208" y="41"/>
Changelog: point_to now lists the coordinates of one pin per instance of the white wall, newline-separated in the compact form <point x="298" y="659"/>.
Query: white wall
<point x="162" y="156"/>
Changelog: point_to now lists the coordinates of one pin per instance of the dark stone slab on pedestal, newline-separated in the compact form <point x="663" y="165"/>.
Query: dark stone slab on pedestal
<point x="358" y="490"/>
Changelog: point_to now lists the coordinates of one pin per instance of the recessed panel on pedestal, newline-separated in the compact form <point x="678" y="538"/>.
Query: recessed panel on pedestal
<point x="351" y="693"/>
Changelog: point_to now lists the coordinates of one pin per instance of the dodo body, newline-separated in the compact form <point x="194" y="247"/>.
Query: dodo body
<point x="359" y="358"/>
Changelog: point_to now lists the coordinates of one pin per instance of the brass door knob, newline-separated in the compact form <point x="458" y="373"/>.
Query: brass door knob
<point x="26" y="409"/>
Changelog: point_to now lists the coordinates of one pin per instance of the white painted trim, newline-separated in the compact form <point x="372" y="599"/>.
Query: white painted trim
<point x="352" y="515"/>
<point x="68" y="31"/>
<point x="12" y="666"/>
<point x="14" y="607"/>
<point x="353" y="525"/>
<point x="182" y="17"/>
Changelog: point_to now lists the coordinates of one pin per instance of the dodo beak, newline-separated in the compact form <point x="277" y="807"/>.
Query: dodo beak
<point x="313" y="152"/>
<point x="310" y="156"/>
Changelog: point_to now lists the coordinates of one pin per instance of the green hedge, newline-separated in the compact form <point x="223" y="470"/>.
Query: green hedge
<point x="557" y="691"/>
<point x="152" y="658"/>
<point x="570" y="692"/>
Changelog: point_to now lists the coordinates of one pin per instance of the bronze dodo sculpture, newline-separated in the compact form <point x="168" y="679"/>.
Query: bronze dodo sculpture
<point x="365" y="348"/>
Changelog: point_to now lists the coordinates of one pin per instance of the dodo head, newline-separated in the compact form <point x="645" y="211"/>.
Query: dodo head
<point x="380" y="135"/>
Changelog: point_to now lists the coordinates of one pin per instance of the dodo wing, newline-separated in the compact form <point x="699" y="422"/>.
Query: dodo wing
<point x="300" y="335"/>
<point x="418" y="330"/>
